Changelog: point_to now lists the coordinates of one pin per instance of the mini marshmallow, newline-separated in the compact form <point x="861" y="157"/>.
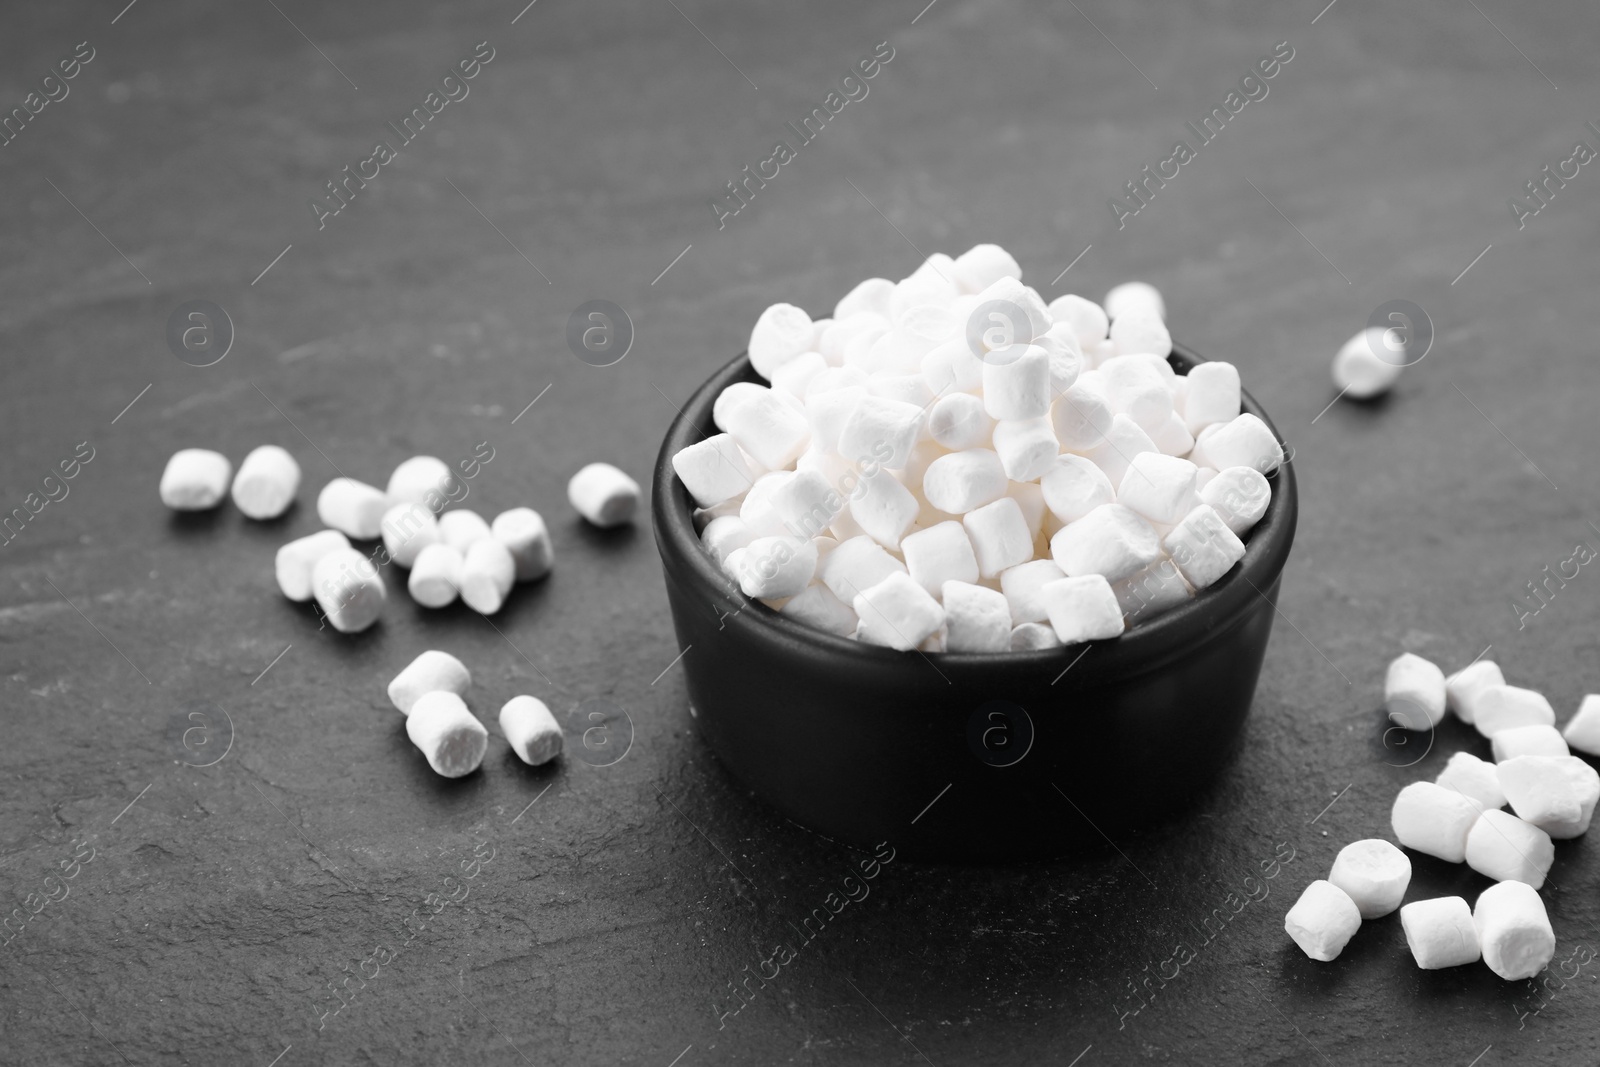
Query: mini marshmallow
<point x="981" y="266"/>
<point x="1474" y="779"/>
<point x="1087" y="320"/>
<point x="1160" y="488"/>
<point x="353" y="508"/>
<point x="713" y="470"/>
<point x="533" y="732"/>
<point x="884" y="508"/>
<point x="1413" y="691"/>
<point x="1212" y="395"/>
<point x="487" y="574"/>
<point x="882" y="430"/>
<point x="460" y="527"/>
<point x="1514" y="931"/>
<point x="1504" y="847"/>
<point x="435" y="579"/>
<point x="1463" y="688"/>
<point x="1000" y="536"/>
<point x="871" y="295"/>
<point x="817" y="606"/>
<point x="770" y="426"/>
<point x="1016" y="382"/>
<point x="348" y="589"/>
<point x="1374" y="874"/>
<point x="1141" y="334"/>
<point x="805" y="504"/>
<point x="1066" y="357"/>
<point x="1152" y="590"/>
<point x="1125" y="440"/>
<point x="523" y="532"/>
<point x="1135" y="298"/>
<point x="1583" y="732"/>
<point x="1033" y="636"/>
<point x="408" y="528"/>
<point x="962" y="481"/>
<point x="856" y="565"/>
<point x="1111" y="540"/>
<point x="266" y="483"/>
<point x="421" y="480"/>
<point x="1030" y="498"/>
<point x="898" y="613"/>
<point x="771" y="568"/>
<point x="1440" y="933"/>
<point x="195" y="479"/>
<point x="941" y="553"/>
<point x="976" y="619"/>
<point x="1368" y="365"/>
<point x="957" y="421"/>
<point x="906" y="388"/>
<point x="1082" y="609"/>
<point x="1499" y="707"/>
<point x="1240" y="495"/>
<point x="782" y="332"/>
<point x="1074" y="486"/>
<point x="1022" y="586"/>
<point x="295" y="561"/>
<point x="1537" y="740"/>
<point x="431" y="671"/>
<point x="1244" y="441"/>
<point x="951" y="367"/>
<point x="1433" y="820"/>
<point x="447" y="734"/>
<point x="1172" y="439"/>
<point x="1027" y="447"/>
<point x="794" y="376"/>
<point x="606" y="496"/>
<point x="1555" y="793"/>
<point x="1082" y="416"/>
<point x="1202" y="546"/>
<point x="1026" y="317"/>
<point x="1136" y="389"/>
<point x="1322" y="921"/>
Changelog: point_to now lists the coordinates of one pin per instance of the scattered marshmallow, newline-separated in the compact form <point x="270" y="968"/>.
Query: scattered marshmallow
<point x="195" y="479"/>
<point x="1440" y="933"/>
<point x="435" y="579"/>
<point x="1500" y="707"/>
<point x="348" y="589"/>
<point x="421" y="480"/>
<point x="407" y="528"/>
<point x="523" y="532"/>
<point x="1413" y="692"/>
<point x="460" y="527"/>
<point x="898" y="613"/>
<point x="1535" y="740"/>
<point x="1474" y="779"/>
<point x="1322" y="921"/>
<point x="1368" y="365"/>
<point x="1433" y="820"/>
<point x="431" y="671"/>
<point x="604" y="495"/>
<point x="1583" y="732"/>
<point x="1463" y="688"/>
<point x="533" y="732"/>
<point x="266" y="483"/>
<point x="976" y="619"/>
<point x="1374" y="874"/>
<point x="296" y="560"/>
<point x="451" y="738"/>
<point x="487" y="574"/>
<point x="1504" y="847"/>
<point x="1555" y="793"/>
<point x="1514" y="931"/>
<point x="1082" y="609"/>
<point x="353" y="508"/>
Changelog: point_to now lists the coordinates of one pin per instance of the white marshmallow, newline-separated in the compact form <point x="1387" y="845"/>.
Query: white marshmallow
<point x="961" y="481"/>
<point x="781" y="333"/>
<point x="606" y="496"/>
<point x="1374" y="874"/>
<point x="1030" y="498"/>
<point x="1434" y="820"/>
<point x="348" y="589"/>
<point x="1033" y="636"/>
<point x="1322" y="921"/>
<point x="1111" y="540"/>
<point x="1082" y="416"/>
<point x="1088" y="320"/>
<point x="724" y="534"/>
<point x="768" y="425"/>
<point x="906" y="388"/>
<point x="1502" y="846"/>
<point x="1514" y="931"/>
<point x="794" y="376"/>
<point x="1135" y="298"/>
<point x="435" y="579"/>
<point x="424" y="480"/>
<point x="1211" y="396"/>
<point x="408" y="528"/>
<point x="951" y="367"/>
<point x="976" y="619"/>
<point x="1000" y="536"/>
<point x="1528" y="741"/>
<point x="195" y="479"/>
<point x="1369" y="363"/>
<point x="981" y="266"/>
<point x="1474" y="779"/>
<point x="430" y="672"/>
<point x="1172" y="439"/>
<point x="1555" y="793"/>
<point x="534" y="734"/>
<point x="1027" y="447"/>
<point x="1081" y="609"/>
<point x="1152" y="590"/>
<point x="460" y="527"/>
<point x="1461" y="689"/>
<point x="488" y="572"/>
<point x="1066" y="357"/>
<point x="1202" y="546"/>
<point x="1583" y="732"/>
<point x="771" y="568"/>
<point x="451" y="738"/>
<point x="881" y="430"/>
<point x="1160" y="488"/>
<point x="1413" y="691"/>
<point x="1440" y="933"/>
<point x="957" y="421"/>
<point x="941" y="553"/>
<point x="932" y="288"/>
<point x="1023" y="586"/>
<point x="1140" y="334"/>
<point x="817" y="606"/>
<point x="266" y="483"/>
<point x="713" y="470"/>
<point x="295" y="561"/>
<point x="1025" y="319"/>
<point x="1075" y="486"/>
<point x="1016" y="382"/>
<point x="871" y="295"/>
<point x="883" y="508"/>
<point x="1240" y="495"/>
<point x="523" y="532"/>
<point x="353" y="508"/>
<point x="1499" y="707"/>
<point x="828" y="411"/>
<point x="1243" y="441"/>
<point x="855" y="566"/>
<point x="1125" y="440"/>
<point x="898" y="613"/>
<point x="833" y="338"/>
<point x="1135" y="388"/>
<point x="806" y="504"/>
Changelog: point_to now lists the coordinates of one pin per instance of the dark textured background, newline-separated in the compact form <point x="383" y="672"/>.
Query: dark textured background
<point x="618" y="907"/>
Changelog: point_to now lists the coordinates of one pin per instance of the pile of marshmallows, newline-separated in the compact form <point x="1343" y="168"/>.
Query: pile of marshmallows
<point x="448" y="553"/>
<point x="429" y="694"/>
<point x="950" y="464"/>
<point x="1457" y="818"/>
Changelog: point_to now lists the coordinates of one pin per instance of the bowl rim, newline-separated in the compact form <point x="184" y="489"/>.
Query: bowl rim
<point x="1141" y="648"/>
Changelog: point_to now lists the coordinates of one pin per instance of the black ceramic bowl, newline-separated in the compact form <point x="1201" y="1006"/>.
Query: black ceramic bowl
<point x="967" y="756"/>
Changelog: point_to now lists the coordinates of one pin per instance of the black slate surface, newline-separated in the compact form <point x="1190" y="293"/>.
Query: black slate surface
<point x="210" y="910"/>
